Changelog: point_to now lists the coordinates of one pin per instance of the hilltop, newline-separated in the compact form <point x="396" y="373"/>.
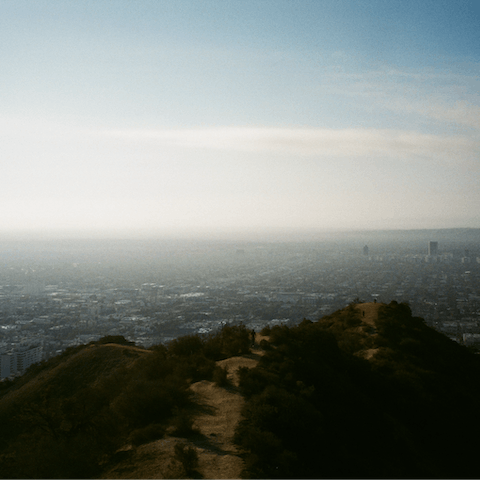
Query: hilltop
<point x="369" y="391"/>
<point x="83" y="413"/>
<point x="376" y="394"/>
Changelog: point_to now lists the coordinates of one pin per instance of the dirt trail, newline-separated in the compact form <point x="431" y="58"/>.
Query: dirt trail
<point x="369" y="317"/>
<point x="371" y="312"/>
<point x="218" y="455"/>
<point x="219" y="412"/>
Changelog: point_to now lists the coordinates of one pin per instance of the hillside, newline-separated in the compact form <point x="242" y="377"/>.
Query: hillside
<point x="216" y="416"/>
<point x="376" y="394"/>
<point x="369" y="391"/>
<point x="82" y="413"/>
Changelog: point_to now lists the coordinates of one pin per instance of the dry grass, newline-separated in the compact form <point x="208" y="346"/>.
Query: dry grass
<point x="216" y="419"/>
<point x="371" y="312"/>
<point x="88" y="365"/>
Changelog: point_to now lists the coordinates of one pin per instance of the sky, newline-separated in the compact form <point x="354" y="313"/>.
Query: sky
<point x="139" y="117"/>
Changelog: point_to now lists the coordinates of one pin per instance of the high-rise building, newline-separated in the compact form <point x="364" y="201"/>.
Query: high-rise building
<point x="433" y="248"/>
<point x="28" y="355"/>
<point x="8" y="363"/>
<point x="19" y="360"/>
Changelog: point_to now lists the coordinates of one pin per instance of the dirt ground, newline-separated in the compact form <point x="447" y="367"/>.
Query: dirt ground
<point x="371" y="312"/>
<point x="219" y="412"/>
<point x="369" y="317"/>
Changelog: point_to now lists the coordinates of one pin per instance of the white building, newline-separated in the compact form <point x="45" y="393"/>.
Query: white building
<point x="8" y="363"/>
<point x="20" y="359"/>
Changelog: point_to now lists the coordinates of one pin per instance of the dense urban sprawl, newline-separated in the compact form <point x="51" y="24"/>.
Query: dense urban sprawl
<point x="52" y="299"/>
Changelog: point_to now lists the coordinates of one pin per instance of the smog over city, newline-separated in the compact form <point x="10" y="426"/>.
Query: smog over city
<point x="175" y="169"/>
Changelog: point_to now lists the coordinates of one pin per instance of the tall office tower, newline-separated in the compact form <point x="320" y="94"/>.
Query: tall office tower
<point x="365" y="250"/>
<point x="433" y="248"/>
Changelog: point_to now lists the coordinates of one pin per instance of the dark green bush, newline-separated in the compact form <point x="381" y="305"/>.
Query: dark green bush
<point x="265" y="345"/>
<point x="279" y="334"/>
<point x="188" y="457"/>
<point x="147" y="434"/>
<point x="265" y="331"/>
<point x="220" y="376"/>
<point x="143" y="402"/>
<point x="185" y="346"/>
<point x="232" y="340"/>
<point x="183" y="424"/>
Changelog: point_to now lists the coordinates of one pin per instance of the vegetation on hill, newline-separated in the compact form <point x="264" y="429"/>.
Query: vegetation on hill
<point x="346" y="396"/>
<point x="66" y="417"/>
<point x="317" y="408"/>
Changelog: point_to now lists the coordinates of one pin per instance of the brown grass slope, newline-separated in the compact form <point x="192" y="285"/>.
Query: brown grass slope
<point x="50" y="414"/>
<point x="216" y="415"/>
<point x="80" y="369"/>
<point x="117" y="411"/>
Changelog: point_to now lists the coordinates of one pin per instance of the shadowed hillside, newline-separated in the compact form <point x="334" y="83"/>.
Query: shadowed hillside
<point x="369" y="391"/>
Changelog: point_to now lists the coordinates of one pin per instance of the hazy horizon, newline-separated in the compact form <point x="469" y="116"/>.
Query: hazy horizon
<point x="249" y="119"/>
<point x="241" y="236"/>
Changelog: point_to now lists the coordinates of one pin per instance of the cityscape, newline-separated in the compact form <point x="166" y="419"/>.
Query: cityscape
<point x="55" y="295"/>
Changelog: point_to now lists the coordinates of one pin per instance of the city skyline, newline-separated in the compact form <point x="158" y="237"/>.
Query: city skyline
<point x="152" y="118"/>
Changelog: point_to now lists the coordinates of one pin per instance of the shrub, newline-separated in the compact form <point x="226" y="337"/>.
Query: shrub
<point x="279" y="334"/>
<point x="147" y="434"/>
<point x="253" y="380"/>
<point x="143" y="402"/>
<point x="266" y="330"/>
<point x="185" y="346"/>
<point x="188" y="457"/>
<point x="235" y="340"/>
<point x="232" y="340"/>
<point x="195" y="367"/>
<point x="183" y="425"/>
<point x="220" y="376"/>
<point x="265" y="345"/>
<point x="174" y="469"/>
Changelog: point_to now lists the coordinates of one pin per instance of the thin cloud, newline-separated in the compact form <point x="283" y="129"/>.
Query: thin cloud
<point x="461" y="113"/>
<point x="443" y="97"/>
<point x="311" y="141"/>
<point x="301" y="141"/>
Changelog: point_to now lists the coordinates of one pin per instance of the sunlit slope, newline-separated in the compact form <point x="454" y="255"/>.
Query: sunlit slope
<point x="75" y="415"/>
<point x="54" y="417"/>
<point x="72" y="371"/>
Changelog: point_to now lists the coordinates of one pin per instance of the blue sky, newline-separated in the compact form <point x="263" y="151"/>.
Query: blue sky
<point x="150" y="117"/>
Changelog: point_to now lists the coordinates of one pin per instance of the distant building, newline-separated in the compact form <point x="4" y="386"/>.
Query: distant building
<point x="365" y="250"/>
<point x="8" y="364"/>
<point x="433" y="248"/>
<point x="19" y="360"/>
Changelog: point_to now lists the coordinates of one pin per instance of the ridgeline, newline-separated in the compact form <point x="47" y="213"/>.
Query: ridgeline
<point x="367" y="392"/>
